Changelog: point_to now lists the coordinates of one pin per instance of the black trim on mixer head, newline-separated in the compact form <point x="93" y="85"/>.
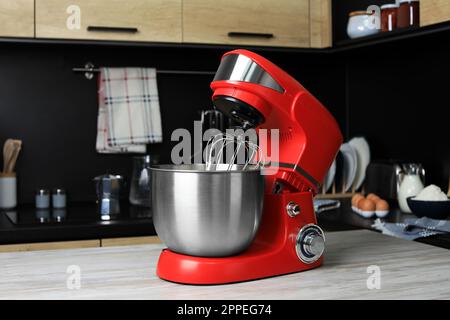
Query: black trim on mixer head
<point x="299" y="170"/>
<point x="240" y="111"/>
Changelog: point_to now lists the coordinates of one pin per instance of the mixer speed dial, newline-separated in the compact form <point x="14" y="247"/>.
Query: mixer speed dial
<point x="310" y="243"/>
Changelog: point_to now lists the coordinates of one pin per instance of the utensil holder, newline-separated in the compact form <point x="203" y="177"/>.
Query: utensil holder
<point x="8" y="190"/>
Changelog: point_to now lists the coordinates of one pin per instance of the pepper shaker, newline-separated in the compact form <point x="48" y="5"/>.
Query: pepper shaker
<point x="42" y="199"/>
<point x="59" y="198"/>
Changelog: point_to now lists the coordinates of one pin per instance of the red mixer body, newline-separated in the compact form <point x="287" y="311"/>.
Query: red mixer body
<point x="309" y="139"/>
<point x="309" y="134"/>
<point x="272" y="253"/>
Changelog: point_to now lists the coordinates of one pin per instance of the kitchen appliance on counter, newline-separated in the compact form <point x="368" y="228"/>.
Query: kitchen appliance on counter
<point x="108" y="188"/>
<point x="221" y="208"/>
<point x="140" y="185"/>
<point x="384" y="178"/>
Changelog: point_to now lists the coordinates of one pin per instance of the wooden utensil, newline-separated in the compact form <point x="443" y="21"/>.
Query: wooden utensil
<point x="11" y="150"/>
<point x="7" y="149"/>
<point x="17" y="146"/>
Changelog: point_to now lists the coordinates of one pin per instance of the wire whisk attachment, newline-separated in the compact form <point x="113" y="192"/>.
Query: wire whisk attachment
<point x="240" y="153"/>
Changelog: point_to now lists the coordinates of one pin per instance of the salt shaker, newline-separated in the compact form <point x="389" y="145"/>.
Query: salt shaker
<point x="59" y="198"/>
<point x="42" y="199"/>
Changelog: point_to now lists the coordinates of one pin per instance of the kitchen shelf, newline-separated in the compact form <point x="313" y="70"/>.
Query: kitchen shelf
<point x="345" y="219"/>
<point x="440" y="29"/>
<point x="82" y="222"/>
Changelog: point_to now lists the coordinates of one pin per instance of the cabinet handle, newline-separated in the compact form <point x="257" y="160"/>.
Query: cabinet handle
<point x="112" y="29"/>
<point x="251" y="34"/>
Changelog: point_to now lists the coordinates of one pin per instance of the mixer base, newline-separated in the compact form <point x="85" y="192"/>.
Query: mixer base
<point x="272" y="253"/>
<point x="256" y="263"/>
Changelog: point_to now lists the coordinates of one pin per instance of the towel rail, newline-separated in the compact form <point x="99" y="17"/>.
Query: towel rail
<point x="89" y="69"/>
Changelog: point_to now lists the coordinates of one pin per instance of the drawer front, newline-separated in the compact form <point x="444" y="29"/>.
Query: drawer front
<point x="50" y="245"/>
<point x="434" y="11"/>
<point x="129" y="241"/>
<point x="257" y="22"/>
<point x="134" y="20"/>
<point x="17" y="18"/>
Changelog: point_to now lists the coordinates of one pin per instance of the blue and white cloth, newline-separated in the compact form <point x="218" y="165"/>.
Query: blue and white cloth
<point x="413" y="228"/>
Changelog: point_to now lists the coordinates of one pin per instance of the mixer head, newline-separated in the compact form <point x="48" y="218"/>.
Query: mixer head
<point x="257" y="94"/>
<point x="239" y="67"/>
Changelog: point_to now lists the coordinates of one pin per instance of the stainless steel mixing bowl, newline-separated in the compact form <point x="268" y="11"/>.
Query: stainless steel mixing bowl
<point x="206" y="213"/>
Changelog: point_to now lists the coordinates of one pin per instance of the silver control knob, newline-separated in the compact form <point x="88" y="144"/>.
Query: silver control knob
<point x="314" y="244"/>
<point x="293" y="209"/>
<point x="310" y="243"/>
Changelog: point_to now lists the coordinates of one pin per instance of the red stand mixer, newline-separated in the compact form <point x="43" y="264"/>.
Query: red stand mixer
<point x="256" y="93"/>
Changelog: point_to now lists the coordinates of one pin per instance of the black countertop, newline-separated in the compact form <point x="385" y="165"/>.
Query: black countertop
<point x="82" y="222"/>
<point x="345" y="219"/>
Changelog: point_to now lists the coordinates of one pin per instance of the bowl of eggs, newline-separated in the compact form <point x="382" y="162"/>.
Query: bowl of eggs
<point x="369" y="206"/>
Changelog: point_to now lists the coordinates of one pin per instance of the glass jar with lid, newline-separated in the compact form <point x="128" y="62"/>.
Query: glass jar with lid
<point x="389" y="17"/>
<point x="408" y="14"/>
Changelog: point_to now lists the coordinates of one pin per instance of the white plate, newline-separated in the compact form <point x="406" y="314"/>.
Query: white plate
<point x="363" y="156"/>
<point x="329" y="178"/>
<point x="350" y="164"/>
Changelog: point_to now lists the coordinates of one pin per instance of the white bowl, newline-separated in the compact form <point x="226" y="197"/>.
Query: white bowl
<point x="361" y="25"/>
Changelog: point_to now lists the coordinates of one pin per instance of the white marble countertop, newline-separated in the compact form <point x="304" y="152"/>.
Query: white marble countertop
<point x="408" y="270"/>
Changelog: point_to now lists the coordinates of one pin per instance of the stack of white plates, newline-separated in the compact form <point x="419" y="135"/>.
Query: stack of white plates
<point x="351" y="171"/>
<point x="362" y="149"/>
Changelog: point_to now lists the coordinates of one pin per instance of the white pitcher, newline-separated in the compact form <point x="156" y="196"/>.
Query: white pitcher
<point x="411" y="182"/>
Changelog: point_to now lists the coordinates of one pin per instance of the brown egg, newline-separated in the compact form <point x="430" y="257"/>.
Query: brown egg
<point x="382" y="205"/>
<point x="373" y="197"/>
<point x="359" y="201"/>
<point x="356" y="198"/>
<point x="366" y="205"/>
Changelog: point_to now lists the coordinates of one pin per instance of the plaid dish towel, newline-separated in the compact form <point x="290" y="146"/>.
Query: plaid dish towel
<point x="129" y="115"/>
